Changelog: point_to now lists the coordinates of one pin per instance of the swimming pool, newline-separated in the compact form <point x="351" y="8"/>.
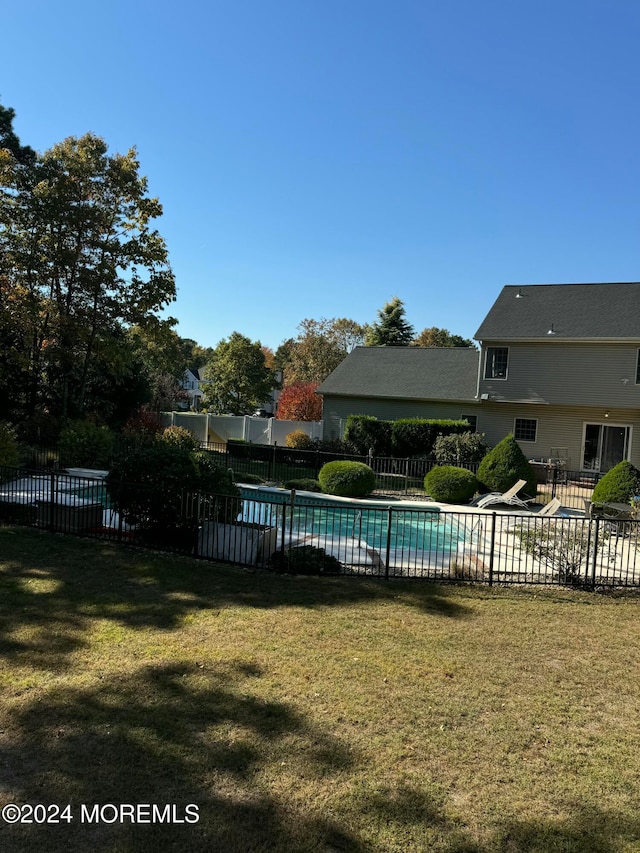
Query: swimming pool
<point x="394" y="530"/>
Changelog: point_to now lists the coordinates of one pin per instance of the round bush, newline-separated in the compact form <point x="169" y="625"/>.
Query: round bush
<point x="303" y="485"/>
<point x="450" y="485"/>
<point x="299" y="440"/>
<point x="347" y="479"/>
<point x="618" y="485"/>
<point x="305" y="560"/>
<point x="181" y="437"/>
<point x="248" y="479"/>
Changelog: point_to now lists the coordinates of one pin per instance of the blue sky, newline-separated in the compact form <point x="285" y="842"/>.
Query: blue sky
<point x="316" y="159"/>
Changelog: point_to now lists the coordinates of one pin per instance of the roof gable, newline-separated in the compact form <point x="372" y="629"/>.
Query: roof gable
<point x="569" y="311"/>
<point x="410" y="373"/>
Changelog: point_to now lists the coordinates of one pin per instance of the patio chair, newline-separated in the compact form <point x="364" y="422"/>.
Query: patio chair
<point x="551" y="508"/>
<point x="510" y="497"/>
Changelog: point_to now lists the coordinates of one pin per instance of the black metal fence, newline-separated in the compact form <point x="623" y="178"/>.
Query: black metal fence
<point x="266" y="528"/>
<point x="277" y="465"/>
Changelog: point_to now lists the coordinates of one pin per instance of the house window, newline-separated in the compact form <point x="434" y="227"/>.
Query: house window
<point x="525" y="429"/>
<point x="495" y="364"/>
<point x="638" y="369"/>
<point x="473" y="422"/>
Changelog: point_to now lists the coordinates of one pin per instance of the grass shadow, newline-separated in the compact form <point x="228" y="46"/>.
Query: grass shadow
<point x="53" y="586"/>
<point x="174" y="735"/>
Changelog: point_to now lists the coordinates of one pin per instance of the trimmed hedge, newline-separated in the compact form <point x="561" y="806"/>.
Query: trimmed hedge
<point x="347" y="479"/>
<point x="364" y="433"/>
<point x="406" y="437"/>
<point x="417" y="436"/>
<point x="505" y="465"/>
<point x="618" y="485"/>
<point x="449" y="484"/>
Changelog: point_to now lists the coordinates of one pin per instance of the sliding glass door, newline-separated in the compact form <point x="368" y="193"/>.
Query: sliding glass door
<point x="604" y="446"/>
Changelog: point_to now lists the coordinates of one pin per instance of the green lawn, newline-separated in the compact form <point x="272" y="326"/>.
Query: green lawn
<point x="304" y="714"/>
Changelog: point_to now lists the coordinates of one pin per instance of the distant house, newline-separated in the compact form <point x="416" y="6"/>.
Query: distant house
<point x="401" y="382"/>
<point x="191" y="384"/>
<point x="559" y="367"/>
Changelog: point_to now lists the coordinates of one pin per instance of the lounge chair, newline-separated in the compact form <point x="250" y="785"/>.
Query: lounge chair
<point x="551" y="508"/>
<point x="510" y="497"/>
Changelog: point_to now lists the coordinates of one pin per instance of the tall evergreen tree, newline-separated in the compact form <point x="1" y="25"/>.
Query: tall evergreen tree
<point x="391" y="330"/>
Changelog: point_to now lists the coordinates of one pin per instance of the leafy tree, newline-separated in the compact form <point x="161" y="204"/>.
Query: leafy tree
<point x="237" y="379"/>
<point x="434" y="337"/>
<point x="391" y="330"/>
<point x="300" y="403"/>
<point x="80" y="261"/>
<point x="319" y="348"/>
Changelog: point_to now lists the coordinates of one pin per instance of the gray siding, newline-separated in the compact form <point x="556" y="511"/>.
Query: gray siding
<point x="562" y="373"/>
<point x="336" y="410"/>
<point x="558" y="426"/>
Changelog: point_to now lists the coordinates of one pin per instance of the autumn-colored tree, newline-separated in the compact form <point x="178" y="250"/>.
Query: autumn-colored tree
<point x="299" y="402"/>
<point x="319" y="348"/>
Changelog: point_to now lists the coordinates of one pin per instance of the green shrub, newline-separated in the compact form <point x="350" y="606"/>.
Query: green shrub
<point x="181" y="437"/>
<point x="466" y="448"/>
<point x="303" y="485"/>
<point x="449" y="484"/>
<point x="9" y="451"/>
<point x="305" y="560"/>
<point x="364" y="433"/>
<point x="618" y="485"/>
<point x="417" y="436"/>
<point x="347" y="479"/>
<point x="84" y="444"/>
<point x="299" y="440"/>
<point x="248" y="479"/>
<point x="505" y="465"/>
<point x="164" y="488"/>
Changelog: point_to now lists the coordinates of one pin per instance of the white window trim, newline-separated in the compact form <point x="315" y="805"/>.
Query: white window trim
<point x="506" y="373"/>
<point x="526" y="440"/>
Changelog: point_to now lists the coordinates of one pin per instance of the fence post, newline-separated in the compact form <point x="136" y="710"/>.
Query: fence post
<point x="492" y="547"/>
<point x="52" y="499"/>
<point x="406" y="476"/>
<point x="120" y="491"/>
<point x="595" y="523"/>
<point x="272" y="462"/>
<point x="387" y="556"/>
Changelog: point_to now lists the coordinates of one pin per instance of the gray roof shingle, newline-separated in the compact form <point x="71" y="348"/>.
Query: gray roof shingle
<point x="411" y="373"/>
<point x="575" y="311"/>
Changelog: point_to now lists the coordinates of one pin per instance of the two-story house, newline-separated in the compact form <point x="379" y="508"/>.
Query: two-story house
<point x="191" y="384"/>
<point x="558" y="366"/>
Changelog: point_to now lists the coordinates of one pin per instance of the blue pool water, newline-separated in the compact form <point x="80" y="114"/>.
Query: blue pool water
<point x="396" y="528"/>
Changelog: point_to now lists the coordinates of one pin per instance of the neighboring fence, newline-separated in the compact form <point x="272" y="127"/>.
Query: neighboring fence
<point x="368" y="539"/>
